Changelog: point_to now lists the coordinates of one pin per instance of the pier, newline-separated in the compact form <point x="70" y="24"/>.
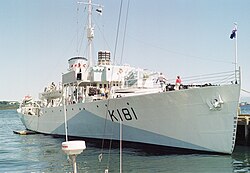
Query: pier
<point x="243" y="130"/>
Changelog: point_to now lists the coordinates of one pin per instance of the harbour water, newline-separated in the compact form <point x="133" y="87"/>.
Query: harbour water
<point x="42" y="154"/>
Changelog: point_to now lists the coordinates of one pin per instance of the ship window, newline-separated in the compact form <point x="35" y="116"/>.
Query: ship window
<point x="72" y="109"/>
<point x="83" y="108"/>
<point x="97" y="106"/>
<point x="108" y="68"/>
<point x="79" y="109"/>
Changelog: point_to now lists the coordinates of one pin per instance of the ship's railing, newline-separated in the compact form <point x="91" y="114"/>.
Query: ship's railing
<point x="30" y="110"/>
<point x="223" y="78"/>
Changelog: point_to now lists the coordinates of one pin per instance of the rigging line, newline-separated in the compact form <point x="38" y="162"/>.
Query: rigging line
<point x="123" y="43"/>
<point x="208" y="77"/>
<point x="80" y="43"/>
<point x="79" y="38"/>
<point x="108" y="102"/>
<point x="104" y="132"/>
<point x="103" y="139"/>
<point x="105" y="125"/>
<point x="245" y="91"/>
<point x="85" y="50"/>
<point x="82" y="39"/>
<point x="180" y="53"/>
<point x="77" y="30"/>
<point x="118" y="27"/>
<point x="110" y="145"/>
<point x="211" y="74"/>
<point x="110" y="141"/>
<point x="102" y="34"/>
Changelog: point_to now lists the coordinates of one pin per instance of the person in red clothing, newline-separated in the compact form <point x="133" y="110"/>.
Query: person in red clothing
<point x="177" y="83"/>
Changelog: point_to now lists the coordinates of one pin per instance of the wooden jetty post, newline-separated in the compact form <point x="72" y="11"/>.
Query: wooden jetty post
<point x="243" y="129"/>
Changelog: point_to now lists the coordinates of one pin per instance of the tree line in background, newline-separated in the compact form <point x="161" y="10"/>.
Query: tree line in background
<point x="8" y="105"/>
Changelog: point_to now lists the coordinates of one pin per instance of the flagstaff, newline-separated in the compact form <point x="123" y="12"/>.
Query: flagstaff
<point x="236" y="49"/>
<point x="234" y="36"/>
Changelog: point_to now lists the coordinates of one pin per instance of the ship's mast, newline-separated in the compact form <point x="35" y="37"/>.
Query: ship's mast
<point x="90" y="29"/>
<point x="90" y="33"/>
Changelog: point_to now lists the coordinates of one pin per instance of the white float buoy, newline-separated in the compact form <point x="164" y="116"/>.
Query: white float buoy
<point x="72" y="149"/>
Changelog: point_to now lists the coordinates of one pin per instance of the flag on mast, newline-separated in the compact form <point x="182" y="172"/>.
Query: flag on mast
<point x="99" y="10"/>
<point x="233" y="34"/>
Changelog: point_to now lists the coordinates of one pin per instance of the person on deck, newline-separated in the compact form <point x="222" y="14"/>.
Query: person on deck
<point x="102" y="91"/>
<point x="106" y="92"/>
<point x="177" y="83"/>
<point x="161" y="78"/>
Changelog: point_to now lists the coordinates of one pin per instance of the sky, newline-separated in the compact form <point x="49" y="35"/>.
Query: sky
<point x="176" y="37"/>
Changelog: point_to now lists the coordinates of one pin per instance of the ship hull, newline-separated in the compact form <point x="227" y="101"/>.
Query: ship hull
<point x="185" y="119"/>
